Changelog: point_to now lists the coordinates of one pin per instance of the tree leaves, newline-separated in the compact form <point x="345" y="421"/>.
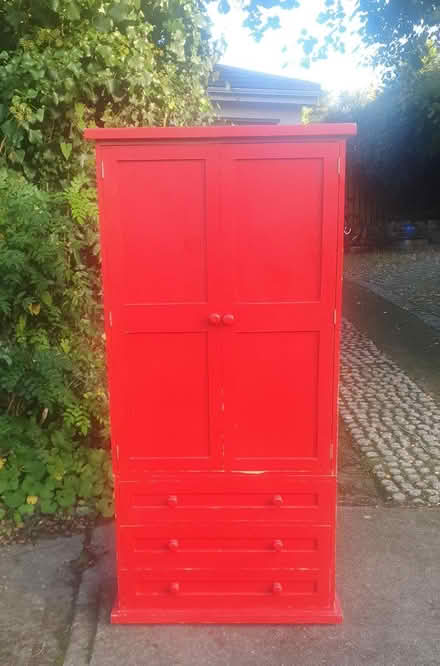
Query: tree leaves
<point x="119" y="11"/>
<point x="72" y="11"/>
<point x="397" y="30"/>
<point x="14" y="499"/>
<point x="66" y="66"/>
<point x="35" y="136"/>
<point x="125" y="61"/>
<point x="102" y="23"/>
<point x="397" y="149"/>
<point x="66" y="149"/>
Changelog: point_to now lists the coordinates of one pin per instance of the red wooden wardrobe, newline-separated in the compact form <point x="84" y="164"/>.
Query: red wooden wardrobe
<point x="222" y="256"/>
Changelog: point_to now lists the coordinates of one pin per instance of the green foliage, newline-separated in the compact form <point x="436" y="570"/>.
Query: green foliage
<point x="51" y="317"/>
<point x="51" y="353"/>
<point x="65" y="65"/>
<point x="397" y="149"/>
<point x="396" y="29"/>
<point x="42" y="469"/>
<point x="399" y="30"/>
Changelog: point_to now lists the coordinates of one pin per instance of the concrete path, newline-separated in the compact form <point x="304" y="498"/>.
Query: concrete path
<point x="37" y="587"/>
<point x="394" y="423"/>
<point x="409" y="342"/>
<point x="410" y="280"/>
<point x="389" y="585"/>
<point x="390" y="395"/>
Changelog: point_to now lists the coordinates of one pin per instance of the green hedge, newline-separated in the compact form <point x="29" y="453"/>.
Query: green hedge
<point x="53" y="424"/>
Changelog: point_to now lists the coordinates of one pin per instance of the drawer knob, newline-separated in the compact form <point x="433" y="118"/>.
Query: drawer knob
<point x="173" y="544"/>
<point x="277" y="588"/>
<point x="277" y="500"/>
<point x="172" y="500"/>
<point x="175" y="588"/>
<point x="278" y="545"/>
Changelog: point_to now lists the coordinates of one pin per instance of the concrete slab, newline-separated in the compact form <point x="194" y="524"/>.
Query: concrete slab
<point x="410" y="280"/>
<point x="405" y="338"/>
<point x="389" y="584"/>
<point x="36" y="592"/>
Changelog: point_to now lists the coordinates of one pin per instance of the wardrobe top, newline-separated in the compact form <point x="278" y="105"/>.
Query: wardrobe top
<point x="221" y="132"/>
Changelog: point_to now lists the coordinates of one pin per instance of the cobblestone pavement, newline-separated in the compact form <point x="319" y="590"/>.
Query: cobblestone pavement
<point x="410" y="280"/>
<point x="392" y="421"/>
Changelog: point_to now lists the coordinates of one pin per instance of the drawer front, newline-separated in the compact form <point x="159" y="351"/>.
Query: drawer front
<point x="233" y="546"/>
<point x="182" y="589"/>
<point x="147" y="503"/>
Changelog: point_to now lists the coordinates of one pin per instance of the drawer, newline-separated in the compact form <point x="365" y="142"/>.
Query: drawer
<point x="183" y="589"/>
<point x="225" y="545"/>
<point x="149" y="502"/>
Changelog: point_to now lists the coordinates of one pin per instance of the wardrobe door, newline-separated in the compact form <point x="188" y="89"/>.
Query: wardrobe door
<point x="279" y="219"/>
<point x="162" y="284"/>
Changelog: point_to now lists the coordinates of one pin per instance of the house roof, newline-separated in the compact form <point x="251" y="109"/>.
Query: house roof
<point x="235" y="80"/>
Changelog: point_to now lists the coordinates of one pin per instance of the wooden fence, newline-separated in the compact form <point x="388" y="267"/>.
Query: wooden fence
<point x="367" y="208"/>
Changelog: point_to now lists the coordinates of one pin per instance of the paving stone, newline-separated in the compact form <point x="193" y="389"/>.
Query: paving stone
<point x="400" y="438"/>
<point x="410" y="280"/>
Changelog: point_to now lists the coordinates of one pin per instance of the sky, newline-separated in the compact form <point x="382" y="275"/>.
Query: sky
<point x="339" y="72"/>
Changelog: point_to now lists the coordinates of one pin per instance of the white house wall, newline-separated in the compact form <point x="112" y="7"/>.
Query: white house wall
<point x="254" y="112"/>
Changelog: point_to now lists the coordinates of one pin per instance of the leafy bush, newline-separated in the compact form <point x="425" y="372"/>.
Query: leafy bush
<point x="52" y="374"/>
<point x="44" y="469"/>
<point x="65" y="65"/>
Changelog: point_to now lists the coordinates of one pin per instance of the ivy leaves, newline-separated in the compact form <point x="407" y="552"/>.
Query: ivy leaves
<point x="52" y="476"/>
<point x="66" y="149"/>
<point x="65" y="65"/>
<point x="119" y="62"/>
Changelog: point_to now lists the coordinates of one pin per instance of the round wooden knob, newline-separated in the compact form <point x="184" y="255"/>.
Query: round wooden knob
<point x="278" y="545"/>
<point x="228" y="319"/>
<point x="175" y="588"/>
<point x="172" y="500"/>
<point x="173" y="544"/>
<point x="277" y="500"/>
<point x="214" y="318"/>
<point x="277" y="588"/>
